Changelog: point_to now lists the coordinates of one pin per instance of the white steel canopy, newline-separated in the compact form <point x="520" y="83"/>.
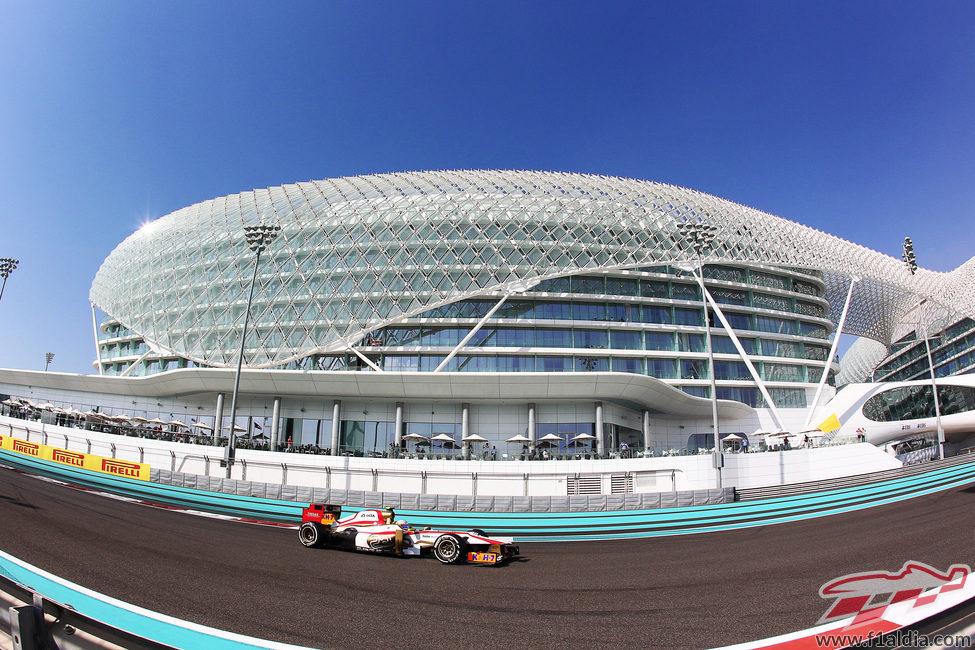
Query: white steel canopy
<point x="359" y="253"/>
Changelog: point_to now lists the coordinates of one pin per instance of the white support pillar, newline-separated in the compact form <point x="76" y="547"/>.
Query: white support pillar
<point x="336" y="425"/>
<point x="531" y="426"/>
<point x="741" y="352"/>
<point x="832" y="353"/>
<point x="366" y="360"/>
<point x="465" y="429"/>
<point x="600" y="440"/>
<point x="646" y="430"/>
<point x="470" y="334"/>
<point x="218" y="419"/>
<point x="94" y="329"/>
<point x="275" y="418"/>
<point x="398" y="425"/>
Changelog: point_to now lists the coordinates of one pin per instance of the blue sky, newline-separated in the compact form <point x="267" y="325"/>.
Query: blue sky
<point x="856" y="118"/>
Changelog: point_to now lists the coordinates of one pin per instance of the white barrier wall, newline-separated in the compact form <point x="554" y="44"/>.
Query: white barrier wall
<point x="529" y="478"/>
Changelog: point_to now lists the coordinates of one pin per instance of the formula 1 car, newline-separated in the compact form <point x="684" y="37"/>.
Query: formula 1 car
<point x="375" y="531"/>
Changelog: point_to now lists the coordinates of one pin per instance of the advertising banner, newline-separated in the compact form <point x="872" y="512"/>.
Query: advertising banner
<point x="112" y="466"/>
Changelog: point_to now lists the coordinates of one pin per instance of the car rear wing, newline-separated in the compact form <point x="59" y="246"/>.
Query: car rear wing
<point x="321" y="513"/>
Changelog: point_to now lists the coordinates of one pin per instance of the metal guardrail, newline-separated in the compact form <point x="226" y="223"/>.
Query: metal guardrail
<point x="793" y="489"/>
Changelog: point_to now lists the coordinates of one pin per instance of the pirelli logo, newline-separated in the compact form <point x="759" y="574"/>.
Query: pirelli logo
<point x="120" y="468"/>
<point x="73" y="458"/>
<point x="77" y="459"/>
<point x="29" y="448"/>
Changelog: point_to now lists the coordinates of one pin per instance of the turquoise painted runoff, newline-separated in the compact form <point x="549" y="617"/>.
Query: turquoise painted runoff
<point x="124" y="616"/>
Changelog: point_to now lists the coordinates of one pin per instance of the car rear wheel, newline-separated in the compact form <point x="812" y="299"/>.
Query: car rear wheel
<point x="312" y="534"/>
<point x="449" y="549"/>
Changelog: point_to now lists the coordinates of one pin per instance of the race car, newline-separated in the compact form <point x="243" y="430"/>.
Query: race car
<point x="377" y="531"/>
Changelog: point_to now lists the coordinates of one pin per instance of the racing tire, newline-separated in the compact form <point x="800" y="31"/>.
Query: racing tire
<point x="450" y="549"/>
<point x="312" y="534"/>
<point x="478" y="532"/>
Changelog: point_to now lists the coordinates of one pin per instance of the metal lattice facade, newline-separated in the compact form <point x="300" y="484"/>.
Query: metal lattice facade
<point x="360" y="253"/>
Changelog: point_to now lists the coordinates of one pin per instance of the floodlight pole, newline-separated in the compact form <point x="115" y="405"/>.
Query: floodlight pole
<point x="7" y="266"/>
<point x="910" y="259"/>
<point x="48" y="358"/>
<point x="258" y="238"/>
<point x="702" y="235"/>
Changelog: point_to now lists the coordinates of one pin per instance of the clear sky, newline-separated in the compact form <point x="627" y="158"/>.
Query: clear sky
<point x="856" y="118"/>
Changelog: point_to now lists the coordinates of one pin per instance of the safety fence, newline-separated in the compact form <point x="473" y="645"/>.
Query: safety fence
<point x="551" y="522"/>
<point x="809" y="487"/>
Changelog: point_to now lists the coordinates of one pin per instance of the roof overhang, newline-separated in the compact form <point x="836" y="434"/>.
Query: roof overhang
<point x="621" y="388"/>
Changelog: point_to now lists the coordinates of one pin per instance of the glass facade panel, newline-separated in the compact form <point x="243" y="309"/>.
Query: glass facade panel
<point x="661" y="368"/>
<point x="590" y="338"/>
<point x="731" y="370"/>
<point x="750" y="396"/>
<point x="588" y="311"/>
<point x="626" y="340"/>
<point x="628" y="365"/>
<point x="659" y="340"/>
<point x="552" y="311"/>
<point x="657" y="315"/>
<point x="774" y="325"/>
<point x="681" y="291"/>
<point x="738" y="321"/>
<point x="691" y="342"/>
<point x="782" y="372"/>
<point x="553" y="338"/>
<point x="694" y="369"/>
<point x="684" y="316"/>
<point x="622" y="287"/>
<point x="592" y="364"/>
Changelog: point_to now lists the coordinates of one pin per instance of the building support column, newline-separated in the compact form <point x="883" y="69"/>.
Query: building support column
<point x="741" y="351"/>
<point x="646" y="430"/>
<point x="474" y="330"/>
<point x="465" y="429"/>
<point x="398" y="426"/>
<point x="832" y="353"/>
<point x="275" y="417"/>
<point x="218" y="419"/>
<point x="600" y="440"/>
<point x="531" y="426"/>
<point x="98" y="350"/>
<point x="336" y="425"/>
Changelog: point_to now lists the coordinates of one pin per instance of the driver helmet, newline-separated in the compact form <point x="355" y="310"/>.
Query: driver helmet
<point x="401" y="523"/>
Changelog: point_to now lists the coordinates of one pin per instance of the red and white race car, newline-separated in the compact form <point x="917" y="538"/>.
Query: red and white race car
<point x="375" y="531"/>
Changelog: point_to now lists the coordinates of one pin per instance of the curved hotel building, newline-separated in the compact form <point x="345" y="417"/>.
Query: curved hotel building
<point x="500" y="304"/>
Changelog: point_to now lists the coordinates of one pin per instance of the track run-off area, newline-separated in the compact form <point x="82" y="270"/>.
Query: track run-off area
<point x="697" y="590"/>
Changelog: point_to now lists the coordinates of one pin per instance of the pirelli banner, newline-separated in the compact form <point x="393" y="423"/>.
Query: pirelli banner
<point x="100" y="464"/>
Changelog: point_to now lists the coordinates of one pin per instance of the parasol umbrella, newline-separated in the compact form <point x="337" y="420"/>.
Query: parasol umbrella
<point x="732" y="437"/>
<point x="585" y="436"/>
<point x="519" y="438"/>
<point x="549" y="439"/>
<point x="201" y="425"/>
<point x="140" y="419"/>
<point x="178" y="424"/>
<point x="444" y="440"/>
<point x="474" y="438"/>
<point x="46" y="406"/>
<point x="416" y="437"/>
<point x="237" y="427"/>
<point x="156" y="421"/>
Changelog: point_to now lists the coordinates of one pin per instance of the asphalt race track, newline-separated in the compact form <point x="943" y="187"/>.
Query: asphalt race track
<point x="685" y="591"/>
